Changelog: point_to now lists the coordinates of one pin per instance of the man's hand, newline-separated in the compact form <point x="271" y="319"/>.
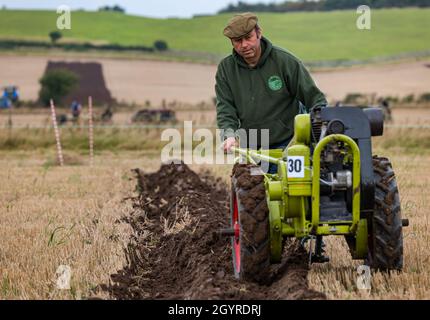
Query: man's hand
<point x="228" y="143"/>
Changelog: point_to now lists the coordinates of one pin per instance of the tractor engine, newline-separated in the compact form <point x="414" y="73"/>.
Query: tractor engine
<point x="336" y="167"/>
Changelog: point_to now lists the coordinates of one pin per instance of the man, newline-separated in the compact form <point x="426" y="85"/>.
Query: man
<point x="76" y="110"/>
<point x="260" y="86"/>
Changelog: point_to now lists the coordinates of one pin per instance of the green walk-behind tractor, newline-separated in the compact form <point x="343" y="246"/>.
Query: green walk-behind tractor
<point x="328" y="183"/>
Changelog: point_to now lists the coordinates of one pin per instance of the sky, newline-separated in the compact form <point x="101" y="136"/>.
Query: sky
<point x="149" y="8"/>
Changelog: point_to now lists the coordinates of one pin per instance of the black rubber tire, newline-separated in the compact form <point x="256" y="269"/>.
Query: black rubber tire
<point x="253" y="214"/>
<point x="385" y="242"/>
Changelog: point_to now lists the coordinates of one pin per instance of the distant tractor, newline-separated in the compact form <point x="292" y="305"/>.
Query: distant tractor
<point x="12" y="93"/>
<point x="106" y="116"/>
<point x="9" y="97"/>
<point x="62" y="119"/>
<point x="383" y="105"/>
<point x="5" y="103"/>
<point x="154" y="116"/>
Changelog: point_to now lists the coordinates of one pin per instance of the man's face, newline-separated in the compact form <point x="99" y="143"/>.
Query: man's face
<point x="247" y="46"/>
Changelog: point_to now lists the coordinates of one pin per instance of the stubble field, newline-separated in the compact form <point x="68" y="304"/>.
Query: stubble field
<point x="77" y="216"/>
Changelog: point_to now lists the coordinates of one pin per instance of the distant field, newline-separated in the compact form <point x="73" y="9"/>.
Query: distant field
<point x="312" y="36"/>
<point x="33" y="131"/>
<point x="141" y="80"/>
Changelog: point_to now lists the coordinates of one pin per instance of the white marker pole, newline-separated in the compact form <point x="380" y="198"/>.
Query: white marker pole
<point x="57" y="134"/>
<point x="91" y="132"/>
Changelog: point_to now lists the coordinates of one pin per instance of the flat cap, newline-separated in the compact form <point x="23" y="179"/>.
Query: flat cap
<point x="240" y="25"/>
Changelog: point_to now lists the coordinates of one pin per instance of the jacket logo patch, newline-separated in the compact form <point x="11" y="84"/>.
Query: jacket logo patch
<point x="275" y="83"/>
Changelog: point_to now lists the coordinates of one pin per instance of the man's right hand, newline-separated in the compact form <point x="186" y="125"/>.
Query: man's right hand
<point x="228" y="143"/>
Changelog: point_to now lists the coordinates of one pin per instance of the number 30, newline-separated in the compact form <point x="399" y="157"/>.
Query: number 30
<point x="294" y="165"/>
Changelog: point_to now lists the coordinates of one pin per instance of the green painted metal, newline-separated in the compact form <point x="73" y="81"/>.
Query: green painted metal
<point x="355" y="179"/>
<point x="327" y="230"/>
<point x="298" y="188"/>
<point x="361" y="240"/>
<point x="263" y="155"/>
<point x="300" y="224"/>
<point x="275" y="230"/>
<point x="302" y="129"/>
<point x="274" y="190"/>
<point x="291" y="214"/>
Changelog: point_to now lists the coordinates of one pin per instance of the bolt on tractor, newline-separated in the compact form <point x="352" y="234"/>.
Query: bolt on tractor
<point x="328" y="183"/>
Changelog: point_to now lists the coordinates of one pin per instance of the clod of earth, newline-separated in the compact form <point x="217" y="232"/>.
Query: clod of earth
<point x="176" y="253"/>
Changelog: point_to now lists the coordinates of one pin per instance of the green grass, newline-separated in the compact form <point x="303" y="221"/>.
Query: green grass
<point x="416" y="141"/>
<point x="76" y="139"/>
<point x="313" y="36"/>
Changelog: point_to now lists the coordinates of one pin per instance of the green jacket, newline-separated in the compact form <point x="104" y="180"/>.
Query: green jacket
<point x="266" y="96"/>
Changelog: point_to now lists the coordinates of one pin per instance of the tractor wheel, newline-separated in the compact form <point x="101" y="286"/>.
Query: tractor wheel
<point x="385" y="241"/>
<point x="250" y="222"/>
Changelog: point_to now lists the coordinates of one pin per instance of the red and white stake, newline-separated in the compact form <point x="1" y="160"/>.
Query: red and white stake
<point x="91" y="132"/>
<point x="57" y="134"/>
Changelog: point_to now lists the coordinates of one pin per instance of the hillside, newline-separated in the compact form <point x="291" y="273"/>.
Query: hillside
<point x="314" y="36"/>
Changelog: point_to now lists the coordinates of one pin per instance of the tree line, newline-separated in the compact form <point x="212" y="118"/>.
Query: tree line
<point x="115" y="8"/>
<point x="322" y="5"/>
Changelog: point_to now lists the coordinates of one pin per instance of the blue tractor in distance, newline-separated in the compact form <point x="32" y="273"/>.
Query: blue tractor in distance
<point x="9" y="97"/>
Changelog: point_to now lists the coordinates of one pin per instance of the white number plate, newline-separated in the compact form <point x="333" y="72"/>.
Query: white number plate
<point x="296" y="167"/>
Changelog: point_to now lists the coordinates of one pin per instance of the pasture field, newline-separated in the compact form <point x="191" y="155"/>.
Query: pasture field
<point x="313" y="36"/>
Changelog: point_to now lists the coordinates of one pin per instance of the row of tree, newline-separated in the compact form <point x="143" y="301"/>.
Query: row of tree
<point x="159" y="45"/>
<point x="321" y="5"/>
<point x="115" y="8"/>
